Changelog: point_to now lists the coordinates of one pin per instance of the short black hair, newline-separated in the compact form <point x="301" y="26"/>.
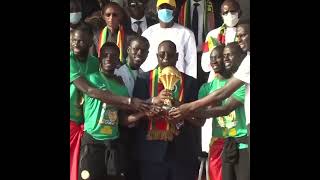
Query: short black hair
<point x="235" y="46"/>
<point x="127" y="1"/>
<point x="218" y="48"/>
<point x="110" y="45"/>
<point x="84" y="27"/>
<point x="136" y="37"/>
<point x="76" y="2"/>
<point x="172" y="44"/>
<point x="245" y="25"/>
<point x="233" y="1"/>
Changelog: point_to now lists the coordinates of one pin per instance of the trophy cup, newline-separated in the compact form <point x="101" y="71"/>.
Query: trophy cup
<point x="169" y="77"/>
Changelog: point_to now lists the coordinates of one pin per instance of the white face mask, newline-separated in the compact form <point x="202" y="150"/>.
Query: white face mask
<point x="75" y="17"/>
<point x="231" y="19"/>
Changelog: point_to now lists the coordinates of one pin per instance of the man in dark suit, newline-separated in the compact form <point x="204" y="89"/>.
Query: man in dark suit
<point x="138" y="21"/>
<point x="163" y="156"/>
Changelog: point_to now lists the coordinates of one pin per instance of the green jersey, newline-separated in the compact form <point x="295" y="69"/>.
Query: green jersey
<point x="100" y="119"/>
<point x="234" y="124"/>
<point x="78" y="69"/>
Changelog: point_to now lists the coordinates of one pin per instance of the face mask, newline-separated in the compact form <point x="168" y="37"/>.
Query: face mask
<point x="75" y="17"/>
<point x="230" y="19"/>
<point x="165" y="15"/>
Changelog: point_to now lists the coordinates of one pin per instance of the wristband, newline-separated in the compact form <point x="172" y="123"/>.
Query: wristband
<point x="129" y="100"/>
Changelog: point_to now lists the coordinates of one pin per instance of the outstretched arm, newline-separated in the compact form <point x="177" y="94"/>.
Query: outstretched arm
<point x="198" y="116"/>
<point x="195" y="121"/>
<point x="218" y="95"/>
<point x="107" y="97"/>
<point x="218" y="110"/>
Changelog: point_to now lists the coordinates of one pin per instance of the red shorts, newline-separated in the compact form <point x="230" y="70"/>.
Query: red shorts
<point x="215" y="160"/>
<point x="76" y="132"/>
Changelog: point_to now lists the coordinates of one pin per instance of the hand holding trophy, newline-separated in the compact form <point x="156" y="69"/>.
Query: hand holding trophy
<point x="169" y="77"/>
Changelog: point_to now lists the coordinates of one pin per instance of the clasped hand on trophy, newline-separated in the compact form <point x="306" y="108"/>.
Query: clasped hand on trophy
<point x="161" y="105"/>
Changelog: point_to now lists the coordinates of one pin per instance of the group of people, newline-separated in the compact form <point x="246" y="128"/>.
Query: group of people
<point x="119" y="126"/>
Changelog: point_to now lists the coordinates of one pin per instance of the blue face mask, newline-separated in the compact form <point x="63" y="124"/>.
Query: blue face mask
<point x="75" y="17"/>
<point x="165" y="15"/>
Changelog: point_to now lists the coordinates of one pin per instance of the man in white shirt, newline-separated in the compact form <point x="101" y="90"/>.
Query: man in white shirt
<point x="168" y="30"/>
<point x="230" y="12"/>
<point x="138" y="21"/>
<point x="137" y="53"/>
<point x="198" y="16"/>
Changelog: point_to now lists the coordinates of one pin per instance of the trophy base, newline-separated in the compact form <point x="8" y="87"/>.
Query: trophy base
<point x="166" y="108"/>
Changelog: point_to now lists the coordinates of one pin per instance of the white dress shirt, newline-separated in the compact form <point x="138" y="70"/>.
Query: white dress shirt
<point x="143" y="24"/>
<point x="243" y="74"/>
<point x="200" y="21"/>
<point x="184" y="41"/>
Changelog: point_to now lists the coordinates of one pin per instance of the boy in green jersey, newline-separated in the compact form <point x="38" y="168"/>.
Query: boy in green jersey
<point x="99" y="154"/>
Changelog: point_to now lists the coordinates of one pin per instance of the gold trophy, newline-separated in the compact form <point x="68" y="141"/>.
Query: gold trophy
<point x="169" y="77"/>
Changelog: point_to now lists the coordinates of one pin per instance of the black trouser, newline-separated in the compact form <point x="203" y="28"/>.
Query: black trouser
<point x="169" y="170"/>
<point x="127" y="136"/>
<point x="98" y="158"/>
<point x="237" y="165"/>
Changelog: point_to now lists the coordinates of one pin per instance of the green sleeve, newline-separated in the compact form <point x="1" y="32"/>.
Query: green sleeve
<point x="93" y="65"/>
<point x="203" y="92"/>
<point x="95" y="80"/>
<point x="125" y="91"/>
<point x="74" y="69"/>
<point x="240" y="94"/>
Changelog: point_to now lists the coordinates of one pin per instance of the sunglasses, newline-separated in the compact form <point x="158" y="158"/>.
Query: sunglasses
<point x="134" y="4"/>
